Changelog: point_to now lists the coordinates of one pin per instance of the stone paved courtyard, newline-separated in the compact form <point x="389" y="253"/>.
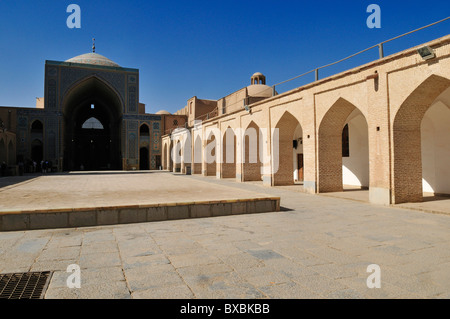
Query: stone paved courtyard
<point x="100" y="189"/>
<point x="316" y="247"/>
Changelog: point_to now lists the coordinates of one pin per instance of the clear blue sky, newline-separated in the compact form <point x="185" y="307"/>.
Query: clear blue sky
<point x="203" y="48"/>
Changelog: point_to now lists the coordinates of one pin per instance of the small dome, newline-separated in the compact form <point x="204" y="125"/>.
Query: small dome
<point x="260" y="90"/>
<point x="163" y="112"/>
<point x="94" y="59"/>
<point x="258" y="79"/>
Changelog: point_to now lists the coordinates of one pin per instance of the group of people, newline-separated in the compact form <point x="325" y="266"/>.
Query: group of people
<point x="29" y="166"/>
<point x="46" y="166"/>
<point x="32" y="166"/>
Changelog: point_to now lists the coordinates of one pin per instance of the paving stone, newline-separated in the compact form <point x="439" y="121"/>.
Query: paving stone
<point x="320" y="284"/>
<point x="96" y="260"/>
<point x="98" y="237"/>
<point x="179" y="261"/>
<point x="264" y="254"/>
<point x="242" y="261"/>
<point x="139" y="261"/>
<point x="334" y="271"/>
<point x="101" y="247"/>
<point x="149" y="277"/>
<point x="170" y="292"/>
<point x="92" y="276"/>
<point x="105" y="290"/>
<point x="344" y="294"/>
<point x="222" y="285"/>
<point x="52" y="265"/>
<point x="321" y="248"/>
<point x="289" y="291"/>
<point x="208" y="269"/>
<point x="264" y="276"/>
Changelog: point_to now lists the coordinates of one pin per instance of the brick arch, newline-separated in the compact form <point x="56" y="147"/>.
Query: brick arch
<point x="252" y="162"/>
<point x="330" y="146"/>
<point x="406" y="133"/>
<point x="80" y="84"/>
<point x="211" y="150"/>
<point x="197" y="155"/>
<point x="229" y="160"/>
<point x="286" y="126"/>
<point x="76" y="109"/>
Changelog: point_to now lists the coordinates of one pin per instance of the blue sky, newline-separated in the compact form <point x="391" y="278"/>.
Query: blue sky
<point x="203" y="48"/>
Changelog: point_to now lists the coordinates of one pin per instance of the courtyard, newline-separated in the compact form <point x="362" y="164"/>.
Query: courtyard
<point x="315" y="247"/>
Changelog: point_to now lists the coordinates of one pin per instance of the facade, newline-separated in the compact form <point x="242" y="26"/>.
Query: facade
<point x="89" y="119"/>
<point x="383" y="126"/>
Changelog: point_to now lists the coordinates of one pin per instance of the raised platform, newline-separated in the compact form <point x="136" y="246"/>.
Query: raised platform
<point x="108" y="198"/>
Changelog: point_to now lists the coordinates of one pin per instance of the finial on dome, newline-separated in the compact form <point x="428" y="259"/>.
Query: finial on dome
<point x="93" y="45"/>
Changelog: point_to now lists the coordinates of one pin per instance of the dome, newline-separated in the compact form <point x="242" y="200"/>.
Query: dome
<point x="258" y="78"/>
<point x="163" y="112"/>
<point x="259" y="90"/>
<point x="94" y="59"/>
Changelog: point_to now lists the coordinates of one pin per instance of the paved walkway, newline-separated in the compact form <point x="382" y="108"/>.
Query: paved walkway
<point x="317" y="247"/>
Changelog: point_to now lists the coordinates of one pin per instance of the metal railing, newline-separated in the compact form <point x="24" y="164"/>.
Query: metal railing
<point x="380" y="47"/>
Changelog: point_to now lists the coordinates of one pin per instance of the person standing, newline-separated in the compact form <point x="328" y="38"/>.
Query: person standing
<point x="3" y="168"/>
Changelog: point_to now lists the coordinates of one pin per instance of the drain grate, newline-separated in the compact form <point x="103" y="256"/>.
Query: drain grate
<point x="28" y="285"/>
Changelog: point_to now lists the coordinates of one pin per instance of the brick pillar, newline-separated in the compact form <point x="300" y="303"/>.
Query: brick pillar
<point x="330" y="146"/>
<point x="239" y="155"/>
<point x="210" y="152"/>
<point x="197" y="152"/>
<point x="228" y="166"/>
<point x="408" y="165"/>
<point x="379" y="151"/>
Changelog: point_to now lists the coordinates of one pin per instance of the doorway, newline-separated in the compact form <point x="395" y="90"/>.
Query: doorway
<point x="300" y="166"/>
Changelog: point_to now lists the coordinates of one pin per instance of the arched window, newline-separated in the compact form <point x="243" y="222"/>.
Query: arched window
<point x="37" y="127"/>
<point x="345" y="142"/>
<point x="92" y="124"/>
<point x="144" y="130"/>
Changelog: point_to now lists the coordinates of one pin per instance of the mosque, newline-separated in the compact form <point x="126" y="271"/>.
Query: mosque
<point x="90" y="118"/>
<point x="383" y="127"/>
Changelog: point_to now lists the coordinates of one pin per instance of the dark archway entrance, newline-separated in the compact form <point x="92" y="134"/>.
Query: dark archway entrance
<point x="144" y="152"/>
<point x="93" y="120"/>
<point x="144" y="159"/>
<point x="92" y="144"/>
<point x="37" y="151"/>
